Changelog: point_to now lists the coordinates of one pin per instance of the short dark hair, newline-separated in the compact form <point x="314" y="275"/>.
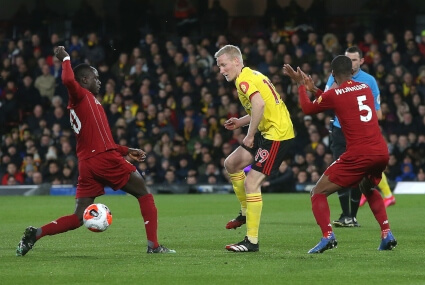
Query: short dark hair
<point x="82" y="70"/>
<point x="355" y="49"/>
<point x="341" y="65"/>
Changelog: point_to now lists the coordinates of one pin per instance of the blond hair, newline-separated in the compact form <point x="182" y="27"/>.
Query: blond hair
<point x="232" y="51"/>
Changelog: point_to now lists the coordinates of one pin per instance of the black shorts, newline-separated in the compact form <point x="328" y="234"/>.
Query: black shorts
<point x="338" y="145"/>
<point x="268" y="155"/>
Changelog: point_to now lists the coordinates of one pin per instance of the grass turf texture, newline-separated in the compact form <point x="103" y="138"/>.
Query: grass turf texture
<point x="194" y="225"/>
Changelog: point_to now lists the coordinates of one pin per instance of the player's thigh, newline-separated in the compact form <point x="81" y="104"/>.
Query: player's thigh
<point x="88" y="184"/>
<point x="377" y="167"/>
<point x="135" y="185"/>
<point x="349" y="169"/>
<point x="238" y="160"/>
<point x="325" y="186"/>
<point x="110" y="169"/>
<point x="269" y="155"/>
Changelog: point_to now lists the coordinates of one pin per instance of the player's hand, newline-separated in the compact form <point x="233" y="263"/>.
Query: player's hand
<point x="294" y="75"/>
<point x="232" y="124"/>
<point x="248" y="141"/>
<point x="60" y="52"/>
<point x="308" y="82"/>
<point x="136" y="154"/>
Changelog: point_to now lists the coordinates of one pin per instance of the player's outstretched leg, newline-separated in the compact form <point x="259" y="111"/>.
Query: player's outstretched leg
<point x="27" y="242"/>
<point x="31" y="234"/>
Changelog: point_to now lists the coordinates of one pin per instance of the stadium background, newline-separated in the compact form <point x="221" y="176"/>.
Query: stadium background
<point x="121" y="26"/>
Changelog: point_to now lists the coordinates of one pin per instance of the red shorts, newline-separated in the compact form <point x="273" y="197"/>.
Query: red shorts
<point x="105" y="169"/>
<point x="349" y="169"/>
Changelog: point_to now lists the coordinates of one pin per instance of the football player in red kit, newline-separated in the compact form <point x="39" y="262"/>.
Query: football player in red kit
<point x="366" y="155"/>
<point x="101" y="162"/>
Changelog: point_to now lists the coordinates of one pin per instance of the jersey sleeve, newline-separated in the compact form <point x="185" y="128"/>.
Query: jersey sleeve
<point x="248" y="88"/>
<point x="74" y="88"/>
<point x="322" y="103"/>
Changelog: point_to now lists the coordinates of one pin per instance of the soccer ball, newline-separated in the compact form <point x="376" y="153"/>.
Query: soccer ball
<point x="97" y="217"/>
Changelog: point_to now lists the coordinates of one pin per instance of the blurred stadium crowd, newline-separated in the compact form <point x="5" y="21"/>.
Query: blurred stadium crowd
<point x="165" y="95"/>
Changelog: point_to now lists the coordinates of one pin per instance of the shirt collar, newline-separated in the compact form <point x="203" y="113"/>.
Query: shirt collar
<point x="357" y="74"/>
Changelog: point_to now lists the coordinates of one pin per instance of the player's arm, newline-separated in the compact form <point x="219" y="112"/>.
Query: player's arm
<point x="307" y="106"/>
<point x="68" y="75"/>
<point x="257" y="112"/>
<point x="309" y="85"/>
<point x="377" y="100"/>
<point x="301" y="78"/>
<point x="133" y="153"/>
<point x="136" y="154"/>
<point x="235" y="123"/>
<point x="376" y="95"/>
<point x="379" y="114"/>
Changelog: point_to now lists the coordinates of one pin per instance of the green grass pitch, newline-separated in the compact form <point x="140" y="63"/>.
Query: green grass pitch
<point x="194" y="226"/>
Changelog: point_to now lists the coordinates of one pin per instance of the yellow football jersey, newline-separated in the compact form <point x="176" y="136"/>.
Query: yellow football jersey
<point x="276" y="123"/>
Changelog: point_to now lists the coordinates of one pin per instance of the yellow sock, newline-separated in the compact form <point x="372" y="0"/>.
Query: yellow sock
<point x="384" y="187"/>
<point x="253" y="214"/>
<point x="238" y="180"/>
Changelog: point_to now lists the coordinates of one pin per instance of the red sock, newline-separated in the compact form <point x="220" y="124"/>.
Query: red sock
<point x="377" y="206"/>
<point x="61" y="225"/>
<point x="322" y="213"/>
<point x="150" y="216"/>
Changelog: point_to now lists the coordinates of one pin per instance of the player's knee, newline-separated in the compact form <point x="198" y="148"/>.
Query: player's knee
<point x="320" y="190"/>
<point x="229" y="166"/>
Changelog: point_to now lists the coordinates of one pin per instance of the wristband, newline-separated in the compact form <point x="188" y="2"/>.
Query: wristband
<point x="66" y="58"/>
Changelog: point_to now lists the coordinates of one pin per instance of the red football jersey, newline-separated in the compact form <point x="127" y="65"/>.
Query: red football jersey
<point x="87" y="117"/>
<point x="353" y="104"/>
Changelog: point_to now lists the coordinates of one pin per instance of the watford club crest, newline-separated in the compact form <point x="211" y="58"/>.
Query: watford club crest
<point x="244" y="86"/>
